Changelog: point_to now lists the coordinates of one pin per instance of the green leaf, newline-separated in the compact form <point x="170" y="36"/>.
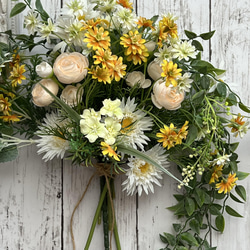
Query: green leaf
<point x="168" y="238"/>
<point x="220" y="223"/>
<point x="205" y="67"/>
<point x="189" y="238"/>
<point x="178" y="209"/>
<point x="8" y="154"/>
<point x="197" y="45"/>
<point x="192" y="134"/>
<point x="234" y="146"/>
<point x="178" y="197"/>
<point x="241" y="191"/>
<point x="18" y="8"/>
<point x="42" y="12"/>
<point x="198" y="97"/>
<point x="208" y="35"/>
<point x="232" y="212"/>
<point x="199" y="196"/>
<point x="221" y="89"/>
<point x="189" y="206"/>
<point x="215" y="209"/>
<point x="235" y="198"/>
<point x="231" y="99"/>
<point x="234" y="166"/>
<point x="244" y="107"/>
<point x="190" y="35"/>
<point x="177" y="227"/>
<point x="181" y="248"/>
<point x="205" y="82"/>
<point x="241" y="175"/>
<point x="195" y="226"/>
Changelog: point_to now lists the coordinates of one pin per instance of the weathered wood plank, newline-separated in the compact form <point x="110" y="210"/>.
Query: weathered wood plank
<point x="30" y="211"/>
<point x="3" y="19"/>
<point x="231" y="51"/>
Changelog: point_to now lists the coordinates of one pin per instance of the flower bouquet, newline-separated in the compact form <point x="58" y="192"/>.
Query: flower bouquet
<point x="123" y="94"/>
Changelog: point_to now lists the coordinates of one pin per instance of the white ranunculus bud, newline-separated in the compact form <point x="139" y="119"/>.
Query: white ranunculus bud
<point x="150" y="45"/>
<point x="166" y="97"/>
<point x="154" y="70"/>
<point x="44" y="70"/>
<point x="40" y="96"/>
<point x="72" y="95"/>
<point x="71" y="67"/>
<point x="137" y="77"/>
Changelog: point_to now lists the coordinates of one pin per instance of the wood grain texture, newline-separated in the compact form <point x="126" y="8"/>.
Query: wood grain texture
<point x="37" y="198"/>
<point x="3" y="19"/>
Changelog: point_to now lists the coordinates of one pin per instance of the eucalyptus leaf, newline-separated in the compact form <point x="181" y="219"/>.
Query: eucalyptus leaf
<point x="241" y="191"/>
<point x="232" y="212"/>
<point x="18" y="8"/>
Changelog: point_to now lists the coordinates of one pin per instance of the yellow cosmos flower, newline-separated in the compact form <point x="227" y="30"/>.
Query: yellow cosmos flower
<point x="93" y="23"/>
<point x="145" y="23"/>
<point x="182" y="134"/>
<point x="16" y="75"/>
<point x="118" y="69"/>
<point x="168" y="28"/>
<point x="217" y="173"/>
<point x="108" y="150"/>
<point x="10" y="118"/>
<point x="4" y="105"/>
<point x="135" y="48"/>
<point x="101" y="74"/>
<point x="226" y="185"/>
<point x="104" y="57"/>
<point x="168" y="136"/>
<point x="170" y="72"/>
<point x="97" y="38"/>
<point x="125" y="4"/>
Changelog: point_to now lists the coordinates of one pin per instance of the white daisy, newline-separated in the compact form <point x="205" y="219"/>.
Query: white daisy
<point x="184" y="50"/>
<point x="74" y="7"/>
<point x="142" y="175"/>
<point x="184" y="83"/>
<point x="165" y="53"/>
<point x="51" y="145"/>
<point x="134" y="123"/>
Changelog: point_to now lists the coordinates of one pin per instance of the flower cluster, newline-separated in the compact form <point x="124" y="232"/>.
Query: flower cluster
<point x="123" y="91"/>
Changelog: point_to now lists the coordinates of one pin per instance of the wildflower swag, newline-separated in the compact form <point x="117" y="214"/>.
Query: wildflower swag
<point x="125" y="95"/>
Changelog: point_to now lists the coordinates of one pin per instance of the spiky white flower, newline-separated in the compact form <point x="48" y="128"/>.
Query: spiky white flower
<point x="48" y="31"/>
<point x="184" y="50"/>
<point x="165" y="53"/>
<point x="50" y="144"/>
<point x="141" y="175"/>
<point x="125" y="19"/>
<point x="134" y="123"/>
<point x="31" y="21"/>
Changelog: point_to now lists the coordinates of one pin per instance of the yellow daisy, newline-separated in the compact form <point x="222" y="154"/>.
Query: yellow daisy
<point x="125" y="4"/>
<point x="101" y="74"/>
<point x="118" y="69"/>
<point x="168" y="136"/>
<point x="217" y="173"/>
<point x="108" y="150"/>
<point x="16" y="75"/>
<point x="97" y="38"/>
<point x="170" y="72"/>
<point x="10" y="118"/>
<point x="226" y="185"/>
<point x="182" y="134"/>
<point x="4" y="105"/>
<point x="145" y="23"/>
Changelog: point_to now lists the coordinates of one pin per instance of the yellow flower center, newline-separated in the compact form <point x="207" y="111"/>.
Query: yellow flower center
<point x="126" y="125"/>
<point x="144" y="168"/>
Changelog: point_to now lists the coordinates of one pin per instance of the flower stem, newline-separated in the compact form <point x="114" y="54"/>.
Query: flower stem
<point x="98" y="209"/>
<point x="116" y="235"/>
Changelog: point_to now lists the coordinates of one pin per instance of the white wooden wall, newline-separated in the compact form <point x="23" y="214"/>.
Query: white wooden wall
<point x="37" y="198"/>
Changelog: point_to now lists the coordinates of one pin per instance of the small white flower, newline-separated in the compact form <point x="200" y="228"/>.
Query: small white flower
<point x="141" y="175"/>
<point x="221" y="159"/>
<point x="48" y="31"/>
<point x="113" y="128"/>
<point x="184" y="83"/>
<point x="184" y="50"/>
<point x="44" y="70"/>
<point x="165" y="53"/>
<point x="88" y="113"/>
<point x="31" y="21"/>
<point x="112" y="108"/>
<point x="93" y="129"/>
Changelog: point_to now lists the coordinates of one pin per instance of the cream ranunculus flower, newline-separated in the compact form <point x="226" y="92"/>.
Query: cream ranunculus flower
<point x="137" y="77"/>
<point x="150" y="45"/>
<point x="44" y="70"/>
<point x="154" y="70"/>
<point x="166" y="97"/>
<point x="41" y="98"/>
<point x="71" y="95"/>
<point x="71" y="67"/>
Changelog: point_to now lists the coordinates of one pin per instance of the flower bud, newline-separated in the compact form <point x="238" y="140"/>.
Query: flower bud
<point x="41" y="97"/>
<point x="71" y="95"/>
<point x="154" y="70"/>
<point x="137" y="77"/>
<point x="44" y="70"/>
